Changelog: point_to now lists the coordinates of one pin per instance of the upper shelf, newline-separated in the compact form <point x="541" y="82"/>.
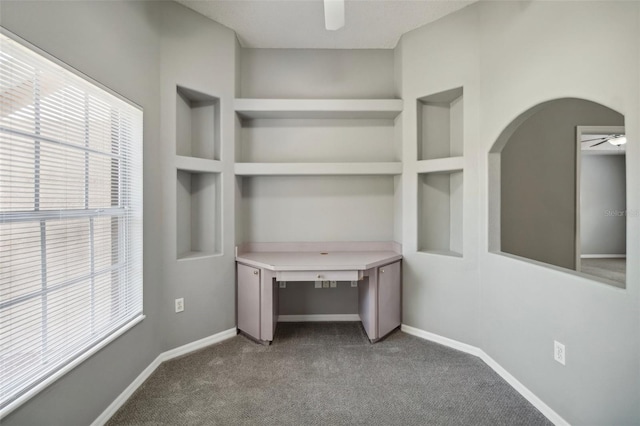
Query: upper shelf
<point x="297" y="169"/>
<point x="318" y="108"/>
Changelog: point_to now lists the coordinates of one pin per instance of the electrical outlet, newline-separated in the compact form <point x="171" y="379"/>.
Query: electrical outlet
<point x="325" y="284"/>
<point x="354" y="283"/>
<point x="283" y="284"/>
<point x="179" y="305"/>
<point x="333" y="284"/>
<point x="559" y="352"/>
<point x="318" y="284"/>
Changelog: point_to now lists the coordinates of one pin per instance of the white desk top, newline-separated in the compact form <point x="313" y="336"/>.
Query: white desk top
<point x="316" y="261"/>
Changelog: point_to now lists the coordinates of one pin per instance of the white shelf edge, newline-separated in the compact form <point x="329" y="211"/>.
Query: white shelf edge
<point x="441" y="165"/>
<point x="447" y="253"/>
<point x="195" y="255"/>
<point x="318" y="108"/>
<point x="281" y="169"/>
<point x="194" y="164"/>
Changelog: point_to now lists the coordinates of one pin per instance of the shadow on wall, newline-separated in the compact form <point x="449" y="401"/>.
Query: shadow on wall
<point x="534" y="180"/>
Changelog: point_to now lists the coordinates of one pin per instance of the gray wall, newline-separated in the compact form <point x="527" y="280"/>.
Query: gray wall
<point x="603" y="192"/>
<point x="511" y="56"/>
<point x="197" y="54"/>
<point x="316" y="74"/>
<point x="538" y="209"/>
<point x="115" y="43"/>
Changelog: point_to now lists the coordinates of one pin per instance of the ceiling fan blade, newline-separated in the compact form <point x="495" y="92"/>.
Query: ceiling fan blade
<point x="595" y="139"/>
<point x="599" y="143"/>
<point x="333" y="14"/>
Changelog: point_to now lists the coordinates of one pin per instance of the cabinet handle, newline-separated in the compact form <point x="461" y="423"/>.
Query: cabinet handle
<point x="255" y="272"/>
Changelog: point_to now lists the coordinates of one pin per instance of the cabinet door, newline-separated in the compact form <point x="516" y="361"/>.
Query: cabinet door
<point x="389" y="298"/>
<point x="249" y="300"/>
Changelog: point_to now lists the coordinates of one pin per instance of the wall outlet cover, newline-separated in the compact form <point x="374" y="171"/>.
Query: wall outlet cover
<point x="179" y="305"/>
<point x="334" y="284"/>
<point x="325" y="284"/>
<point x="318" y="284"/>
<point x="559" y="352"/>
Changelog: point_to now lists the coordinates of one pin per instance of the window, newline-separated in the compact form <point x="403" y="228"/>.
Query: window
<point x="70" y="220"/>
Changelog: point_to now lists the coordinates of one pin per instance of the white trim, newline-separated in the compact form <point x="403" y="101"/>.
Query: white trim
<point x="463" y="347"/>
<point x="70" y="366"/>
<point x="198" y="344"/>
<point x="126" y="394"/>
<point x="104" y="417"/>
<point x="603" y="256"/>
<point x="318" y="318"/>
<point x="547" y="411"/>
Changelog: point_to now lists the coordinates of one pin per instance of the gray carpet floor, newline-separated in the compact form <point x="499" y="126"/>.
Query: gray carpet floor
<point x="326" y="374"/>
<point x="611" y="269"/>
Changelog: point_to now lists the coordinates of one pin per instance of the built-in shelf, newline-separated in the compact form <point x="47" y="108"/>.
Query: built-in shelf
<point x="198" y="214"/>
<point x="440" y="125"/>
<point x="318" y="108"/>
<point x="283" y="169"/>
<point x="441" y="165"/>
<point x="201" y="165"/>
<point x="440" y="213"/>
<point x="197" y="124"/>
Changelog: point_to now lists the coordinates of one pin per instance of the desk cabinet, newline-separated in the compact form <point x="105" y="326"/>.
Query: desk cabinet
<point x="379" y="292"/>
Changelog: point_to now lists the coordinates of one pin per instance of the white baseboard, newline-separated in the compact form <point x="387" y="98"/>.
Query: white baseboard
<point x="198" y="344"/>
<point x="318" y="318"/>
<point x="603" y="256"/>
<point x="442" y="340"/>
<point x="164" y="356"/>
<point x="126" y="394"/>
<point x="547" y="411"/>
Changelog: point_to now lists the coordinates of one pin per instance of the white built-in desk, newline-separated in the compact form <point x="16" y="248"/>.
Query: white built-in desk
<point x="375" y="266"/>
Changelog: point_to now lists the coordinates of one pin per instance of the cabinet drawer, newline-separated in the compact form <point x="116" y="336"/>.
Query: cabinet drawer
<point x="319" y="275"/>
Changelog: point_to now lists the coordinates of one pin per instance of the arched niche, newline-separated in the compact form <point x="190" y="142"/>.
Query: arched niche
<point x="534" y="183"/>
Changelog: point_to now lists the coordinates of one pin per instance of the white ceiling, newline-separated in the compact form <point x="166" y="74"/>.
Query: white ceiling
<point x="369" y="24"/>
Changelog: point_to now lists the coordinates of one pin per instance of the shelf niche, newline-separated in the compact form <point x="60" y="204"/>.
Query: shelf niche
<point x="440" y="212"/>
<point x="198" y="214"/>
<point x="197" y="124"/>
<point x="440" y="125"/>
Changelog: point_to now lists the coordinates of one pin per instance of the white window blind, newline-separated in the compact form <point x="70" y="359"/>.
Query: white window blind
<point x="70" y="218"/>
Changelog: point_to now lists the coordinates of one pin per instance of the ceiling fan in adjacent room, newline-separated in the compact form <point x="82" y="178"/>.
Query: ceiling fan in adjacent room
<point x="613" y="139"/>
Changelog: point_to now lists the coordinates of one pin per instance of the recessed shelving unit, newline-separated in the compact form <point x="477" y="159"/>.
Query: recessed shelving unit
<point x="198" y="214"/>
<point x="314" y="169"/>
<point x="440" y="125"/>
<point x="197" y="124"/>
<point x="440" y="170"/>
<point x="440" y="212"/>
<point x="322" y="136"/>
<point x="198" y="175"/>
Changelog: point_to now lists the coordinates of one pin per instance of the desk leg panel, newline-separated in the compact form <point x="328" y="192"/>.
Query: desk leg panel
<point x="367" y="303"/>
<point x="389" y="298"/>
<point x="249" y="300"/>
<point x="268" y="305"/>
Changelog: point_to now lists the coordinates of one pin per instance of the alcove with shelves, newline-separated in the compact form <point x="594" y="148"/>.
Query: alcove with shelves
<point x="198" y="214"/>
<point x="440" y="212"/>
<point x="317" y="137"/>
<point x="440" y="125"/>
<point x="197" y="125"/>
<point x="440" y="167"/>
<point x="314" y="169"/>
<point x="198" y="175"/>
